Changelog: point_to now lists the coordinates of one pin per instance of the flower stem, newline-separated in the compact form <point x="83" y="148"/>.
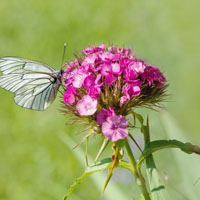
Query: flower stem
<point x="131" y="157"/>
<point x="139" y="178"/>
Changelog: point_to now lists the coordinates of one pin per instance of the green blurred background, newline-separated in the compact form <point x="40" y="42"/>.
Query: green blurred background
<point x="35" y="161"/>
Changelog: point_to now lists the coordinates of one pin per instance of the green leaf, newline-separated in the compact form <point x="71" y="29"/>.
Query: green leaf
<point x="187" y="166"/>
<point x="104" y="164"/>
<point x="98" y="179"/>
<point x="157" y="187"/>
<point x="164" y="144"/>
<point x="103" y="146"/>
<point x="139" y="117"/>
<point x="142" y="197"/>
<point x="115" y="161"/>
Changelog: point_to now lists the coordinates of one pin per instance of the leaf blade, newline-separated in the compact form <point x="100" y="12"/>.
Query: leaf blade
<point x="98" y="179"/>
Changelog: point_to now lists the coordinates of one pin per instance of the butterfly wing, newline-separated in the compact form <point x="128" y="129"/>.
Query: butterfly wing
<point x="35" y="84"/>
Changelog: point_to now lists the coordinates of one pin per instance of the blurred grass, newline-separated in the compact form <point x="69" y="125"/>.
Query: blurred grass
<point x="34" y="163"/>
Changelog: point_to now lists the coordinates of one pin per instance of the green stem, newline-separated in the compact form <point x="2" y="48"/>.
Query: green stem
<point x="131" y="157"/>
<point x="138" y="175"/>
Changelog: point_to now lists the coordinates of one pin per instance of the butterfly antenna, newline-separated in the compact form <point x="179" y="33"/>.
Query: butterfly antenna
<point x="65" y="46"/>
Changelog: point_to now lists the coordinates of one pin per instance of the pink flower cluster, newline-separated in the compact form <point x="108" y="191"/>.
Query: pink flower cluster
<point x="114" y="73"/>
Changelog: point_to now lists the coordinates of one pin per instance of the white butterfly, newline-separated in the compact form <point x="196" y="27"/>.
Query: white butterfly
<point x="35" y="84"/>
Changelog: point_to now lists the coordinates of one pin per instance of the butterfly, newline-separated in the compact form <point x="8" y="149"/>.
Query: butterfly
<point x="34" y="84"/>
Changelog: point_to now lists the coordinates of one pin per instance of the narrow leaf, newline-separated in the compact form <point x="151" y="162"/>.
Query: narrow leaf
<point x="102" y="165"/>
<point x="164" y="144"/>
<point x="157" y="187"/>
<point x="113" y="166"/>
<point x="98" y="179"/>
<point x="187" y="166"/>
<point x="89" y="170"/>
<point x="139" y="117"/>
<point x="104" y="145"/>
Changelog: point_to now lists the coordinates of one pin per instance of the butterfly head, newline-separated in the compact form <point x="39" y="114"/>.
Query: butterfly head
<point x="61" y="71"/>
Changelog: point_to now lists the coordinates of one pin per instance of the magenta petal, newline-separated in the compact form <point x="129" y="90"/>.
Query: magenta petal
<point x="89" y="81"/>
<point x="115" y="68"/>
<point x="110" y="79"/>
<point x="123" y="122"/>
<point x="101" y="117"/>
<point x="69" y="98"/>
<point x="136" y="90"/>
<point x="129" y="75"/>
<point x="102" y="47"/>
<point x="153" y="75"/>
<point x="106" y="56"/>
<point x="79" y="77"/>
<point x="114" y="128"/>
<point x="90" y="59"/>
<point x="94" y="92"/>
<point x="87" y="106"/>
<point x="98" y="78"/>
<point x="131" y="90"/>
<point x="106" y="69"/>
<point x="139" y="66"/>
<point x="69" y="95"/>
<point x="110" y="112"/>
<point x="103" y="114"/>
<point x="88" y="50"/>
<point x="120" y="134"/>
<point x="106" y="128"/>
<point x="123" y="100"/>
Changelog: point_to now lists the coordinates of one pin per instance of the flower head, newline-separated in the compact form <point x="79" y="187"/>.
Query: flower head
<point x="103" y="85"/>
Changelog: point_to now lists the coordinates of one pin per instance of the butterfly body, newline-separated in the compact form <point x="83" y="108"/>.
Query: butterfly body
<point x="34" y="84"/>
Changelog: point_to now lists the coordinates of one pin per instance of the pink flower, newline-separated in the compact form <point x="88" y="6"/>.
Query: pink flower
<point x="131" y="90"/>
<point x="124" y="62"/>
<point x="87" y="106"/>
<point x="110" y="79"/>
<point x="69" y="95"/>
<point x="91" y="50"/>
<point x="129" y="75"/>
<point x="103" y="114"/>
<point x="70" y="66"/>
<point x="93" y="86"/>
<point x="101" y="47"/>
<point x="126" y="52"/>
<point x="153" y="75"/>
<point x="116" y="68"/>
<point x="79" y="77"/>
<point x="106" y="69"/>
<point x="90" y="59"/>
<point x="123" y="100"/>
<point x="88" y="50"/>
<point x="138" y="66"/>
<point x="94" y="91"/>
<point x="107" y="56"/>
<point x="114" y="128"/>
<point x="89" y="82"/>
<point x="70" y="77"/>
